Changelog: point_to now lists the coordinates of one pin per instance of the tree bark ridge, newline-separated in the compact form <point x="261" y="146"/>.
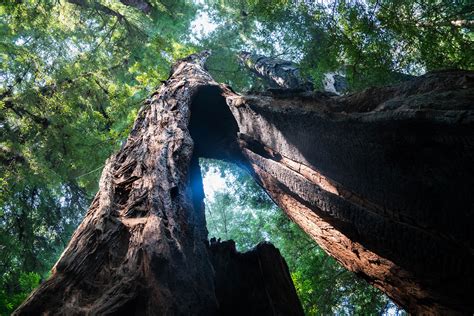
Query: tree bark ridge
<point x="142" y="247"/>
<point x="388" y="171"/>
<point x="380" y="179"/>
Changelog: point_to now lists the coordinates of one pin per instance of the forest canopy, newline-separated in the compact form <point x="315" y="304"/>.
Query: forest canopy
<point x="74" y="74"/>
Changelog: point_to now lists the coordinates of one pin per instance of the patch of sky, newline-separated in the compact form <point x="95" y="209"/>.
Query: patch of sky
<point x="213" y="181"/>
<point x="203" y="25"/>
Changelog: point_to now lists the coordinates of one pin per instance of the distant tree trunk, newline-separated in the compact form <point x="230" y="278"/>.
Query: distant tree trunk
<point x="381" y="179"/>
<point x="142" y="247"/>
<point x="276" y="73"/>
<point x="282" y="74"/>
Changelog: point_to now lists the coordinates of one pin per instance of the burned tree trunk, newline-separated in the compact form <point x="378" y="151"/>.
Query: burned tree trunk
<point x="142" y="247"/>
<point x="381" y="179"/>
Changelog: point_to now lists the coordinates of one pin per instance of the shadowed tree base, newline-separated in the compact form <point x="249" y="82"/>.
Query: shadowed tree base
<point x="381" y="179"/>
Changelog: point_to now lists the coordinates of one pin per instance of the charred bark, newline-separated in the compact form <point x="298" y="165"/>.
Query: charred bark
<point x="258" y="279"/>
<point x="381" y="179"/>
<point x="142" y="247"/>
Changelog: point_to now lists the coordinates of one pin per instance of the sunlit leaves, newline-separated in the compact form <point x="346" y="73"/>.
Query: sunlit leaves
<point x="373" y="42"/>
<point x="27" y="281"/>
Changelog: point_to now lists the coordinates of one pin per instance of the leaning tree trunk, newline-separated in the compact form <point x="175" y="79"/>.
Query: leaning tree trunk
<point x="381" y="179"/>
<point x="142" y="247"/>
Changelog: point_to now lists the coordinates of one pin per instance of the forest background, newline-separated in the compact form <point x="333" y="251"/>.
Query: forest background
<point x="74" y="74"/>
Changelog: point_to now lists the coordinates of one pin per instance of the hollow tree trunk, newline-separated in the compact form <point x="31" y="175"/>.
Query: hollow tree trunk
<point x="142" y="247"/>
<point x="381" y="179"/>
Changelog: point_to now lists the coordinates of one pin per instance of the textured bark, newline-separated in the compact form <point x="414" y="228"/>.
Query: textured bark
<point x="142" y="247"/>
<point x="276" y="72"/>
<point x="282" y="74"/>
<point x="141" y="5"/>
<point x="382" y="180"/>
<point x="335" y="82"/>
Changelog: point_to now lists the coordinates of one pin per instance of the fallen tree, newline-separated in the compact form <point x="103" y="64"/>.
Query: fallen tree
<point x="381" y="179"/>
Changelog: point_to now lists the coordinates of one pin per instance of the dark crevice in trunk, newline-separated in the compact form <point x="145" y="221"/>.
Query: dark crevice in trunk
<point x="258" y="281"/>
<point x="381" y="180"/>
<point x="212" y="126"/>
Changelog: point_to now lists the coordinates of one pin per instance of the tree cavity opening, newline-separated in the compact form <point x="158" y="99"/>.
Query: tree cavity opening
<point x="238" y="209"/>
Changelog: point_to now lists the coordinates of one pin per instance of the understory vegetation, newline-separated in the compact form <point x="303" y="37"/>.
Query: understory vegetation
<point x="74" y="73"/>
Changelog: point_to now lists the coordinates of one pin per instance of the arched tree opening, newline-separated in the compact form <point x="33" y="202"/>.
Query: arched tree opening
<point x="142" y="247"/>
<point x="381" y="179"/>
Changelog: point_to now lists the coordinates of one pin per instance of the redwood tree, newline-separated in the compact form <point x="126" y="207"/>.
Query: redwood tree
<point x="380" y="179"/>
<point x="142" y="247"/>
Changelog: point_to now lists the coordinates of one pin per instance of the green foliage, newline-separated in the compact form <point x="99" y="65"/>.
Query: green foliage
<point x="73" y="75"/>
<point x="373" y="42"/>
<point x="27" y="282"/>
<point x="240" y="210"/>
<point x="379" y="39"/>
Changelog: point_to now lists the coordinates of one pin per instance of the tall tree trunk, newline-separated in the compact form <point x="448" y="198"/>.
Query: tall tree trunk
<point x="142" y="247"/>
<point x="381" y="179"/>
